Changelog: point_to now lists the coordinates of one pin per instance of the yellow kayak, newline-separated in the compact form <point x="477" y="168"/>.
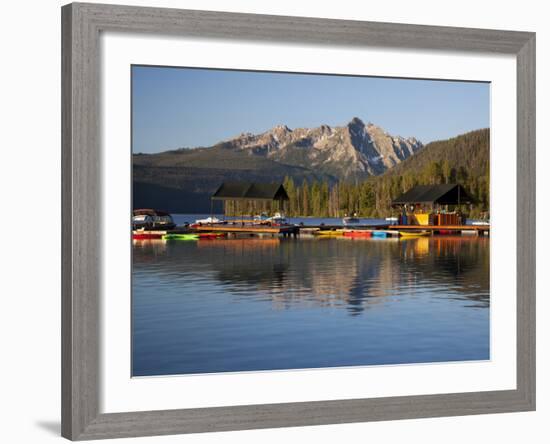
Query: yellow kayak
<point x="414" y="233"/>
<point x="330" y="232"/>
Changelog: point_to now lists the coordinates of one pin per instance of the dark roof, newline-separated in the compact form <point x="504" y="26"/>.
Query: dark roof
<point x="445" y="194"/>
<point x="150" y="212"/>
<point x="250" y="191"/>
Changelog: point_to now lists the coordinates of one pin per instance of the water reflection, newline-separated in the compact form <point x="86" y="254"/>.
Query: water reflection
<point x="346" y="272"/>
<point x="415" y="294"/>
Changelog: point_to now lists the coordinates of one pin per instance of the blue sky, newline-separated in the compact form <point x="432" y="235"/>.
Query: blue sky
<point x="185" y="107"/>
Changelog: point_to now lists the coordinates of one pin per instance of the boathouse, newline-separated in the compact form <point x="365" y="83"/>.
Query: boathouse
<point x="240" y="198"/>
<point x="429" y="204"/>
<point x="444" y="194"/>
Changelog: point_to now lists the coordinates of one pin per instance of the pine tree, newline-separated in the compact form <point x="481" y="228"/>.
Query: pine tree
<point x="291" y="191"/>
<point x="305" y="198"/>
<point x="446" y="169"/>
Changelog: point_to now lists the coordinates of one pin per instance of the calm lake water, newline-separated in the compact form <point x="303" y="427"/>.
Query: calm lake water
<point x="268" y="303"/>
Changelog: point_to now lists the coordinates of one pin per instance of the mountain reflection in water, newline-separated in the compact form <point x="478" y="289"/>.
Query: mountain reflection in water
<point x="265" y="304"/>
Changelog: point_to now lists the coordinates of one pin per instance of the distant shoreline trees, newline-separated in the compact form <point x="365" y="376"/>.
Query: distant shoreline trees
<point x="373" y="197"/>
<point x="463" y="159"/>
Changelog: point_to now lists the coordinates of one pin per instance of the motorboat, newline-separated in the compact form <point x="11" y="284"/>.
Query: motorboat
<point x="480" y="222"/>
<point x="277" y="219"/>
<point x="263" y="217"/>
<point x="142" y="221"/>
<point x="149" y="219"/>
<point x="208" y="221"/>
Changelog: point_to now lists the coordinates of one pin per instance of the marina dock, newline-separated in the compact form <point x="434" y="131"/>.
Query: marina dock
<point x="295" y="230"/>
<point x="436" y="229"/>
<point x="285" y="230"/>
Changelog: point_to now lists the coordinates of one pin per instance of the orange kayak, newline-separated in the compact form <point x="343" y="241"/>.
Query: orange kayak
<point x="358" y="233"/>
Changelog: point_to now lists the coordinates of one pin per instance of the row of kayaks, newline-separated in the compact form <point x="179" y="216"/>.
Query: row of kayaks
<point x="177" y="236"/>
<point x="371" y="233"/>
<point x="324" y="233"/>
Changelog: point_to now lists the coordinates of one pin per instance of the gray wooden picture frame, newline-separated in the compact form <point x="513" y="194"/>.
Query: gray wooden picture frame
<point x="81" y="172"/>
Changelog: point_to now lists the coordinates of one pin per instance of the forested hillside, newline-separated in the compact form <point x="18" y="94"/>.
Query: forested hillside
<point x="463" y="159"/>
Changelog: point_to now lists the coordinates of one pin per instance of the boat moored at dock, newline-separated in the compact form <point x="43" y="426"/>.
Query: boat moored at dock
<point x="150" y="219"/>
<point x="211" y="220"/>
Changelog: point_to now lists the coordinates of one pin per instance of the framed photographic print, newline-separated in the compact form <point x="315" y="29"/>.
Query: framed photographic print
<point x="280" y="221"/>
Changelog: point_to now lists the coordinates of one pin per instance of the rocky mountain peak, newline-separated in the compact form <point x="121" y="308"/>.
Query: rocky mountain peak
<point x="354" y="150"/>
<point x="356" y="122"/>
<point x="279" y="132"/>
<point x="283" y="128"/>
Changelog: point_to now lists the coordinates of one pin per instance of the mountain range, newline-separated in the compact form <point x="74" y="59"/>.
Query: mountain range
<point x="356" y="150"/>
<point x="182" y="180"/>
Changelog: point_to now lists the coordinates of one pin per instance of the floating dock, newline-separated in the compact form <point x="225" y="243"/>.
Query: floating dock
<point x="435" y="229"/>
<point x="285" y="230"/>
<point x="294" y="230"/>
<point x="156" y="234"/>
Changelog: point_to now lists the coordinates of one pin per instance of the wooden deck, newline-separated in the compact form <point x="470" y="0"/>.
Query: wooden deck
<point x="345" y="227"/>
<point x="480" y="229"/>
<point x="294" y="229"/>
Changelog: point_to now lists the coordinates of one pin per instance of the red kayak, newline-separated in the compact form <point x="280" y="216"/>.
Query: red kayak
<point x="211" y="235"/>
<point x="142" y="236"/>
<point x="357" y="233"/>
<point x="447" y="231"/>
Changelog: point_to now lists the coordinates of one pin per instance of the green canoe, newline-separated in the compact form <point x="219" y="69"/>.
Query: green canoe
<point x="175" y="236"/>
